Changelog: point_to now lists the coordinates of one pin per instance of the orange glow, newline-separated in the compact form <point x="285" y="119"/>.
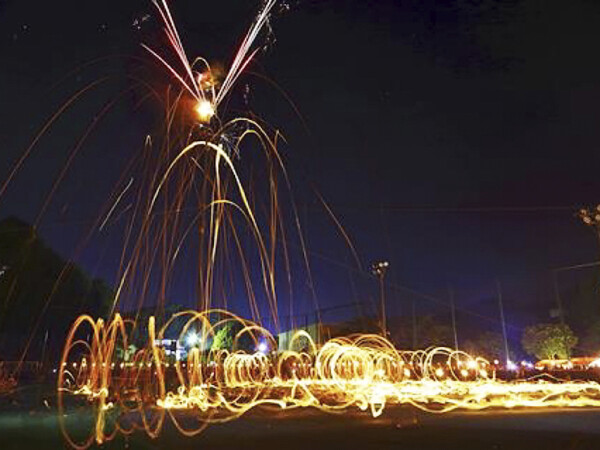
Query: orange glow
<point x="364" y="372"/>
<point x="205" y="111"/>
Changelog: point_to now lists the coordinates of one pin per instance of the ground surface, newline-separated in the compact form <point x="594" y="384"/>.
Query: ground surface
<point x="399" y="428"/>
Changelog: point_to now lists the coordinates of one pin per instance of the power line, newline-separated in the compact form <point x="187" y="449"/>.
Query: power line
<point x="458" y="209"/>
<point x="577" y="266"/>
<point x="398" y="287"/>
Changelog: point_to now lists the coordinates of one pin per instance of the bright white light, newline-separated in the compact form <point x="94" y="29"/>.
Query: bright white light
<point x="511" y="365"/>
<point x="262" y="347"/>
<point x="205" y="110"/>
<point x="192" y="339"/>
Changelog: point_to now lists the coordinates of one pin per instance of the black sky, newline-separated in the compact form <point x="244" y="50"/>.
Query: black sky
<point x="454" y="138"/>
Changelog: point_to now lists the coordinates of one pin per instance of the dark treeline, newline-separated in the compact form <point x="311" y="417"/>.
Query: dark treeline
<point x="41" y="294"/>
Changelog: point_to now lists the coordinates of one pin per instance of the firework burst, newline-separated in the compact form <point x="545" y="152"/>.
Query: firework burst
<point x="195" y="169"/>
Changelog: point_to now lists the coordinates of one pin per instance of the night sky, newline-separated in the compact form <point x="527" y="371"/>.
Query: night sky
<point x="455" y="139"/>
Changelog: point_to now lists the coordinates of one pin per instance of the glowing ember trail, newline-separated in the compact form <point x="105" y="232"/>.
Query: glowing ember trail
<point x="363" y="371"/>
<point x="142" y="389"/>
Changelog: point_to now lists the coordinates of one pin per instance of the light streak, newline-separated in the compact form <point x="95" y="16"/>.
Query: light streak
<point x="201" y="84"/>
<point x="361" y="372"/>
<point x="364" y="372"/>
<point x="115" y="204"/>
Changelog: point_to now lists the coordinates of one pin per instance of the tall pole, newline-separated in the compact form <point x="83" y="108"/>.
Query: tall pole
<point x="44" y="346"/>
<point x="379" y="269"/>
<point x="414" y="324"/>
<point x="561" y="312"/>
<point x="591" y="217"/>
<point x="453" y="311"/>
<point x="503" y="321"/>
<point x="383" y="311"/>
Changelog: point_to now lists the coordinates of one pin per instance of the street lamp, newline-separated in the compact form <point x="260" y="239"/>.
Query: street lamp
<point x="379" y="269"/>
<point x="262" y="347"/>
<point x="192" y="339"/>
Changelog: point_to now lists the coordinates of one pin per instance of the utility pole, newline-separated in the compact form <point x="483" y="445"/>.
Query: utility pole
<point x="44" y="346"/>
<point x="453" y="311"/>
<point x="379" y="269"/>
<point x="414" y="324"/>
<point x="503" y="321"/>
<point x="559" y="305"/>
<point x="555" y="273"/>
<point x="591" y="217"/>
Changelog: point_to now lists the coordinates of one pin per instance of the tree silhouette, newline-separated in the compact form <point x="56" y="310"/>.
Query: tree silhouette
<point x="549" y="341"/>
<point x="40" y="293"/>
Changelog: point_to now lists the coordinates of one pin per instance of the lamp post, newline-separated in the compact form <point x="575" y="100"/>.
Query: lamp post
<point x="453" y="314"/>
<point x="192" y="339"/>
<point x="379" y="269"/>
<point x="503" y="323"/>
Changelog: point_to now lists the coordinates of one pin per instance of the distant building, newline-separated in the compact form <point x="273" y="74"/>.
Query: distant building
<point x="173" y="348"/>
<point x="314" y="330"/>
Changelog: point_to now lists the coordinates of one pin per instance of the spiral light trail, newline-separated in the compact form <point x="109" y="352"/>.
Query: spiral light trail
<point x="363" y="371"/>
<point x="143" y="390"/>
